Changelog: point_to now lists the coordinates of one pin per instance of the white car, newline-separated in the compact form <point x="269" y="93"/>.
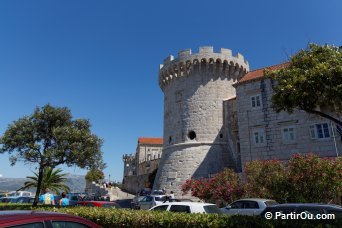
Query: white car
<point x="252" y="206"/>
<point x="188" y="207"/>
<point x="149" y="201"/>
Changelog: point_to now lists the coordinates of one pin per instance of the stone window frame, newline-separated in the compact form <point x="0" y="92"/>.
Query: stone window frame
<point x="286" y="140"/>
<point x="314" y="131"/>
<point x="257" y="100"/>
<point x="259" y="137"/>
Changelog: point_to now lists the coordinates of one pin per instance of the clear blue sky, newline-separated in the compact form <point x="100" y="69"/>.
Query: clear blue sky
<point x="101" y="58"/>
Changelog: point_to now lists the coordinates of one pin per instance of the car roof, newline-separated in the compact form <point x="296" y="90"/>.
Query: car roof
<point x="16" y="215"/>
<point x="98" y="202"/>
<point x="187" y="203"/>
<point x="28" y="212"/>
<point x="256" y="199"/>
<point x="21" y="215"/>
<point x="306" y="205"/>
<point x="157" y="195"/>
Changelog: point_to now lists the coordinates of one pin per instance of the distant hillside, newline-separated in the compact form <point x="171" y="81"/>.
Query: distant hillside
<point x="76" y="183"/>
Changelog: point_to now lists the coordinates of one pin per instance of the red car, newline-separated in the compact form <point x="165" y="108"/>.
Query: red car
<point x="40" y="219"/>
<point x="99" y="204"/>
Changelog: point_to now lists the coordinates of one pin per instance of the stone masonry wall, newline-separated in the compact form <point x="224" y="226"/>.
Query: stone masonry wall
<point x="194" y="86"/>
<point x="264" y="118"/>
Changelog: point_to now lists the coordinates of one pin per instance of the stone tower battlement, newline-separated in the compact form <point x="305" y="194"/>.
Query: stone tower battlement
<point x="196" y="144"/>
<point x="206" y="61"/>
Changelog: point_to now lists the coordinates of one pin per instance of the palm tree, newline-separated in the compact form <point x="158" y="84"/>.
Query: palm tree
<point x="52" y="179"/>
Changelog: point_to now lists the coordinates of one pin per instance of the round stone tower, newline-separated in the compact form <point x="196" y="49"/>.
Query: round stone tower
<point x="195" y="86"/>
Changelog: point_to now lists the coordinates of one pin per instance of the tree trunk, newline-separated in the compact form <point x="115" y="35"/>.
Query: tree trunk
<point x="40" y="178"/>
<point x="336" y="121"/>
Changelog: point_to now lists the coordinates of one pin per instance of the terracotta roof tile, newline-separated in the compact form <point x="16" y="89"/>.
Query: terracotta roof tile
<point x="154" y="141"/>
<point x="259" y="73"/>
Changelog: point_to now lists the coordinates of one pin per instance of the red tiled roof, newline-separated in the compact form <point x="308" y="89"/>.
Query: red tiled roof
<point x="259" y="73"/>
<point x="154" y="141"/>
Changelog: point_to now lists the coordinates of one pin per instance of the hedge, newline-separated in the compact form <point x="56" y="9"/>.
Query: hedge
<point x="107" y="217"/>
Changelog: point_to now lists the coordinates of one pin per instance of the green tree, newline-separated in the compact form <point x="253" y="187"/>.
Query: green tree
<point x="266" y="179"/>
<point x="48" y="138"/>
<point x="94" y="174"/>
<point x="306" y="178"/>
<point x="311" y="82"/>
<point x="53" y="179"/>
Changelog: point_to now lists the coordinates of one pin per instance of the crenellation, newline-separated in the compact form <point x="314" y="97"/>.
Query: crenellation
<point x="184" y="54"/>
<point x="206" y="50"/>
<point x="226" y="51"/>
<point x="205" y="62"/>
<point x="240" y="57"/>
<point x="168" y="59"/>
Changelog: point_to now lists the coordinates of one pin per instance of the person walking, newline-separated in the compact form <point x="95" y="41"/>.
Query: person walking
<point x="171" y="196"/>
<point x="47" y="198"/>
<point x="64" y="201"/>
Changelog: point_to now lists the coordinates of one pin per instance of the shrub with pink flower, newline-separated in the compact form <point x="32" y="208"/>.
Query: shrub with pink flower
<point x="305" y="178"/>
<point x="222" y="188"/>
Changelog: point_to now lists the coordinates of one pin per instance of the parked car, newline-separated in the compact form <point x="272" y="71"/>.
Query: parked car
<point x="22" y="199"/>
<point x="99" y="204"/>
<point x="252" y="206"/>
<point x="188" y="207"/>
<point x="20" y="193"/>
<point x="7" y="199"/>
<point x="310" y="208"/>
<point x="149" y="201"/>
<point x="73" y="197"/>
<point x="39" y="219"/>
<point x="135" y="202"/>
<point x="3" y="194"/>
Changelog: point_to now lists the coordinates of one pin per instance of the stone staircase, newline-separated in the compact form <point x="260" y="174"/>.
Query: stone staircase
<point x="114" y="193"/>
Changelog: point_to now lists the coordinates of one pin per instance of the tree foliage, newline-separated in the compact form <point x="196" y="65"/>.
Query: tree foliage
<point x="314" y="179"/>
<point x="266" y="179"/>
<point x="311" y="82"/>
<point x="306" y="178"/>
<point x="94" y="174"/>
<point x="53" y="179"/>
<point x="48" y="138"/>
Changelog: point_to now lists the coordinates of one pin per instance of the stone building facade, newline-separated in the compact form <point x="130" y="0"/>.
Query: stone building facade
<point x="139" y="166"/>
<point x="217" y="114"/>
<point x="265" y="134"/>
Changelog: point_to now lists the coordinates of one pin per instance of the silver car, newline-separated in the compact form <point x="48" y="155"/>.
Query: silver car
<point x="252" y="206"/>
<point x="149" y="201"/>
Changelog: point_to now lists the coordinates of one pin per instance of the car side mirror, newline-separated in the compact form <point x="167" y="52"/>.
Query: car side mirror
<point x="228" y="207"/>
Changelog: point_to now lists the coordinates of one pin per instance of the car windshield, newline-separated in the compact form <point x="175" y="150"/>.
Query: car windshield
<point x="210" y="209"/>
<point x="271" y="202"/>
<point x="160" y="198"/>
<point x="13" y="200"/>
